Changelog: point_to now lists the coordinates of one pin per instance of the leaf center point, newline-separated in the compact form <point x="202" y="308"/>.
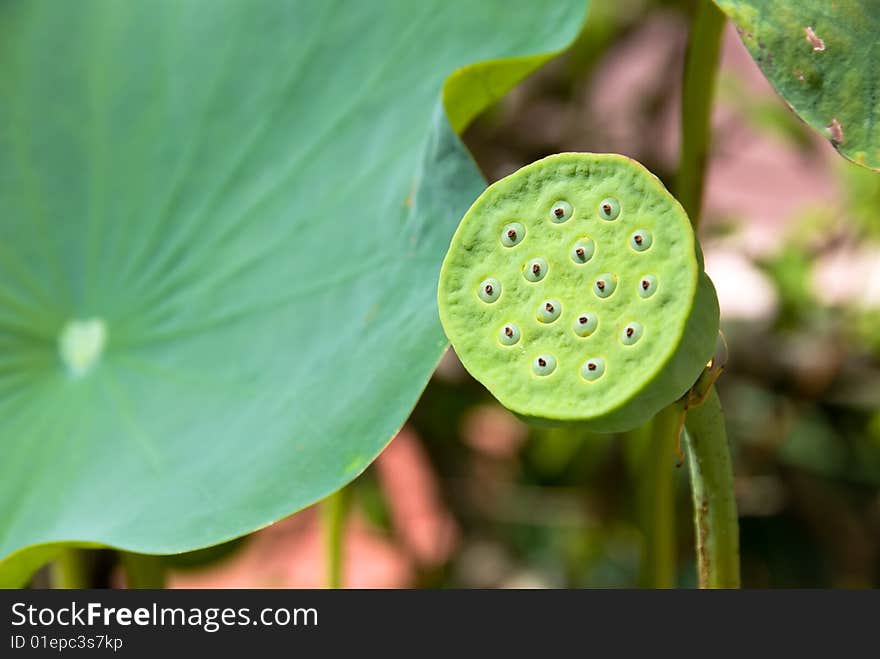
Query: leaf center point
<point x="81" y="343"/>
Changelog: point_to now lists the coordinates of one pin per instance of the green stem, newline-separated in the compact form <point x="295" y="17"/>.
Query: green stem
<point x="709" y="458"/>
<point x="698" y="89"/>
<point x="143" y="571"/>
<point x="334" y="513"/>
<point x="715" y="519"/>
<point x="657" y="501"/>
<point x="71" y="569"/>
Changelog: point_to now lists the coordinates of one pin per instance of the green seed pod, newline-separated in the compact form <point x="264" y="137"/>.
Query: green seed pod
<point x="585" y="323"/>
<point x="593" y="369"/>
<point x="535" y="270"/>
<point x="647" y="286"/>
<point x="631" y="333"/>
<point x="509" y="335"/>
<point x="609" y="208"/>
<point x="640" y="240"/>
<point x="513" y="234"/>
<point x="549" y="310"/>
<point x="605" y="285"/>
<point x="560" y="211"/>
<point x="583" y="250"/>
<point x="544" y="365"/>
<point x="489" y="290"/>
<point x="640" y="348"/>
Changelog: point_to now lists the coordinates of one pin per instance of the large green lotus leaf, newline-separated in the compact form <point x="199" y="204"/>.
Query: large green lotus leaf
<point x="242" y="207"/>
<point x="822" y="57"/>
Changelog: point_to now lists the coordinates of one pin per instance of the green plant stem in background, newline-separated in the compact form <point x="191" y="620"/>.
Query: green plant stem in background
<point x="698" y="89"/>
<point x="715" y="517"/>
<point x="657" y="500"/>
<point x="71" y="569"/>
<point x="143" y="570"/>
<point x="709" y="456"/>
<point x="334" y="512"/>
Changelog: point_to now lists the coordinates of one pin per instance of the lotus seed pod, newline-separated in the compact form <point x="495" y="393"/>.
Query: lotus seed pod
<point x="489" y="290"/>
<point x="512" y="234"/>
<point x="593" y="369"/>
<point x="560" y="211"/>
<point x="583" y="250"/>
<point x="549" y="310"/>
<point x="585" y="323"/>
<point x="631" y="333"/>
<point x="609" y="208"/>
<point x="640" y="240"/>
<point x="509" y="335"/>
<point x="605" y="341"/>
<point x="605" y="285"/>
<point x="535" y="270"/>
<point x="647" y="286"/>
<point x="544" y="365"/>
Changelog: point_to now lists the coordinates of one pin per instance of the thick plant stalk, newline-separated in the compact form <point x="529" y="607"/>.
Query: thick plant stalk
<point x="334" y="511"/>
<point x="698" y="89"/>
<point x="715" y="519"/>
<point x="709" y="457"/>
<point x="657" y="501"/>
<point x="143" y="571"/>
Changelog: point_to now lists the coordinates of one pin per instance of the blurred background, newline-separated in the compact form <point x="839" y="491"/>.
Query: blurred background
<point x="468" y="496"/>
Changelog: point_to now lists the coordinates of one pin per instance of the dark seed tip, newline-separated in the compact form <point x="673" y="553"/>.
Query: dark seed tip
<point x="536" y="269"/>
<point x="582" y="320"/>
<point x="558" y="212"/>
<point x="508" y="331"/>
<point x="549" y="307"/>
<point x="488" y="289"/>
<point x="629" y="331"/>
<point x="591" y="367"/>
<point x="580" y="252"/>
<point x="542" y="362"/>
<point x="600" y="285"/>
<point x="645" y="284"/>
<point x="606" y="208"/>
<point x="638" y="240"/>
<point x="512" y="234"/>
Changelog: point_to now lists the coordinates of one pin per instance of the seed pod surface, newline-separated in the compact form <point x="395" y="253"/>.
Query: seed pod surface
<point x="653" y="314"/>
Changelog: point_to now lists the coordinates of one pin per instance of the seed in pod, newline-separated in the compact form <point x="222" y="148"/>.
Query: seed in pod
<point x="489" y="290"/>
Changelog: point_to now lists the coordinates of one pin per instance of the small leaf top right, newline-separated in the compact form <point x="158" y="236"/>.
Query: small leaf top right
<point x="822" y="57"/>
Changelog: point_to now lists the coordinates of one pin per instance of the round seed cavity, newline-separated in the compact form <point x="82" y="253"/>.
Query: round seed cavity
<point x="535" y="270"/>
<point x="544" y="364"/>
<point x="489" y="290"/>
<point x="640" y="240"/>
<point x="509" y="334"/>
<point x="631" y="333"/>
<point x="609" y="208"/>
<point x="583" y="250"/>
<point x="585" y="323"/>
<point x="593" y="369"/>
<point x="560" y="212"/>
<point x="549" y="310"/>
<point x="647" y="286"/>
<point x="604" y="286"/>
<point x="513" y="234"/>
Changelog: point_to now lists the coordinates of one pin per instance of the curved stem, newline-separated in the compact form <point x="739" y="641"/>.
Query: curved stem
<point x="698" y="89"/>
<point x="143" y="571"/>
<point x="715" y="519"/>
<point x="71" y="569"/>
<point x="334" y="511"/>
<point x="657" y="501"/>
